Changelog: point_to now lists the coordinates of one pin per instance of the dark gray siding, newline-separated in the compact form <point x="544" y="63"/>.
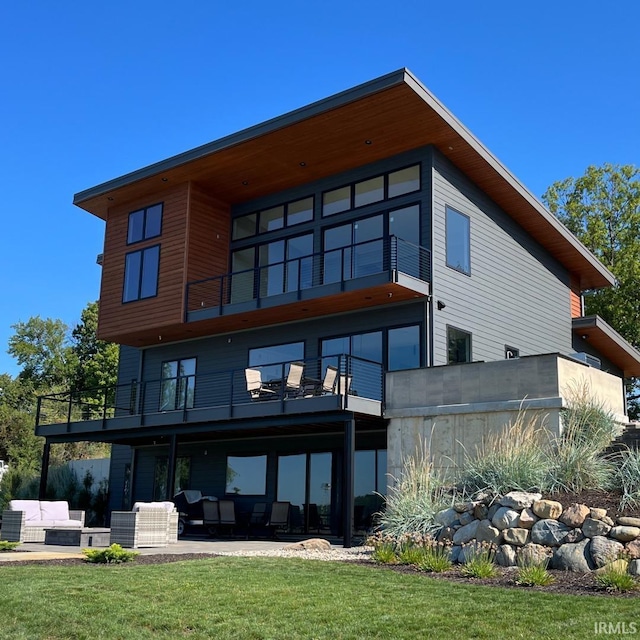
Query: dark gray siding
<point x="121" y="455"/>
<point x="231" y="351"/>
<point x="128" y="370"/>
<point x="516" y="293"/>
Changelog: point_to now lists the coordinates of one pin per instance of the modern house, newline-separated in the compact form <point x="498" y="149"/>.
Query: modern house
<point x="298" y="302"/>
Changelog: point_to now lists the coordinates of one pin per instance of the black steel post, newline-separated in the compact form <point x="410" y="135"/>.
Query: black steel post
<point x="171" y="467"/>
<point x="44" y="471"/>
<point x="348" y="480"/>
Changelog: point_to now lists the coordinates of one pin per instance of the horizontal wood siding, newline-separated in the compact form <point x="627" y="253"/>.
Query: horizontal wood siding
<point x="166" y="308"/>
<point x="208" y="236"/>
<point x="576" y="298"/>
<point x="516" y="295"/>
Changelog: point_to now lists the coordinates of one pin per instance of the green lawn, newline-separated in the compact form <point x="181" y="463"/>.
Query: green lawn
<point x="239" y="598"/>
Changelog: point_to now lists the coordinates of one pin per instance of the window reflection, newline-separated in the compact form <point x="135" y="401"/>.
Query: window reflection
<point x="247" y="475"/>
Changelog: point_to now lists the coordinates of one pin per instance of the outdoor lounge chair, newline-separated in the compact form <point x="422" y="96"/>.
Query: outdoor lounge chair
<point x="329" y="380"/>
<point x="279" y="517"/>
<point x="256" y="388"/>
<point x="293" y="384"/>
<point x="149" y="524"/>
<point x="227" y="512"/>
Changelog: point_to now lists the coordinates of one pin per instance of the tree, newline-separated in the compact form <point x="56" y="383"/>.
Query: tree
<point x="42" y="348"/>
<point x="602" y="209"/>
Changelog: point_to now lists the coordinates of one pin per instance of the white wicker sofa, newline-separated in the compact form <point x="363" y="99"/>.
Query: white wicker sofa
<point x="26" y="520"/>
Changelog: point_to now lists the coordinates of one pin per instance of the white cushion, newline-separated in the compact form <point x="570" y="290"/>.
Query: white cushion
<point x="42" y="524"/>
<point x="54" y="510"/>
<point x="67" y="524"/>
<point x="167" y="505"/>
<point x="31" y="509"/>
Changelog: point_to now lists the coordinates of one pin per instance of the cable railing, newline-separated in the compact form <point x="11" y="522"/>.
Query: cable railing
<point x="297" y="274"/>
<point x="338" y="375"/>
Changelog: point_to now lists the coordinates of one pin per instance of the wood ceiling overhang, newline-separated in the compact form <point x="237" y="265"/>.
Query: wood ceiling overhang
<point x="384" y="117"/>
<point x="606" y="340"/>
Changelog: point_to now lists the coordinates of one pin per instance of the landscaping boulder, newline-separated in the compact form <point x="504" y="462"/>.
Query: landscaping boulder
<point x="505" y="518"/>
<point x="487" y="533"/>
<point x="604" y="550"/>
<point x="619" y="566"/>
<point x="633" y="549"/>
<point x="466" y="533"/>
<point x="573" y="557"/>
<point x="527" y="519"/>
<point x="466" y="518"/>
<point x="575" y="515"/>
<point x="575" y="535"/>
<point x="534" y="554"/>
<point x="519" y="499"/>
<point x="628" y="521"/>
<point x="481" y="511"/>
<point x="549" y="532"/>
<point x="317" y="544"/>
<point x="446" y="533"/>
<point x="624" y="534"/>
<point x="592" y="527"/>
<point x="506" y="555"/>
<point x="547" y="509"/>
<point x="634" y="567"/>
<point x="516" y="536"/>
<point x="447" y="517"/>
<point x="598" y="514"/>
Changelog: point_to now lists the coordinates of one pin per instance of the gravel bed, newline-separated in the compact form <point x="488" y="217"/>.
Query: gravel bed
<point x="354" y="554"/>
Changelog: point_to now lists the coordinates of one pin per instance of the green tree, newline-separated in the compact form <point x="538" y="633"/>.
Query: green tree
<point x="42" y="349"/>
<point x="602" y="209"/>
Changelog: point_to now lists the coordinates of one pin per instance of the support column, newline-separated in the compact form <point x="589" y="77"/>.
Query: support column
<point x="44" y="470"/>
<point x="348" y="481"/>
<point x="171" y="467"/>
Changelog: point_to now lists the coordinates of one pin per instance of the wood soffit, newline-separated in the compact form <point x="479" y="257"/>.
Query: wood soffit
<point x="395" y="114"/>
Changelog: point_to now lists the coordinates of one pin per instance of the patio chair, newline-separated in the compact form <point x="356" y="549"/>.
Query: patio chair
<point x="293" y="384"/>
<point x="257" y="518"/>
<point x="227" y="511"/>
<point x="256" y="388"/>
<point x="211" y="516"/>
<point x="279" y="517"/>
<point x="149" y="524"/>
<point x="329" y="380"/>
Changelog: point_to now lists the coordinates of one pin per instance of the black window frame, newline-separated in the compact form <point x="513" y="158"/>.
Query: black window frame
<point x="247" y="455"/>
<point x="177" y="378"/>
<point x="144" y="211"/>
<point x="511" y="353"/>
<point x="470" y="348"/>
<point x="142" y="253"/>
<point x="455" y="267"/>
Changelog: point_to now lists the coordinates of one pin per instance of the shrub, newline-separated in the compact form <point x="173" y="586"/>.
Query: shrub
<point x="533" y="574"/>
<point x="480" y="560"/>
<point x="436" y="557"/>
<point x="627" y="477"/>
<point x="5" y="545"/>
<point x="384" y="549"/>
<point x="114" y="554"/>
<point x="416" y="497"/>
<point x="614" y="577"/>
<point x="513" y="459"/>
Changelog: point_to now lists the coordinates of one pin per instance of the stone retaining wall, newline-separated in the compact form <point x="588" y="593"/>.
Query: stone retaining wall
<point x="524" y="527"/>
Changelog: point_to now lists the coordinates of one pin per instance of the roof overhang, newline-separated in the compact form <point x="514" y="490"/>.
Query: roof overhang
<point x="375" y="120"/>
<point x="606" y="340"/>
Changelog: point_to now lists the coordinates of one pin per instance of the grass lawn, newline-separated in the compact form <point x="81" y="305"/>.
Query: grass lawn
<point x="238" y="598"/>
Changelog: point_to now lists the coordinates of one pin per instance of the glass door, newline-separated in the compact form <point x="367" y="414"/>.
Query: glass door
<point x="304" y="480"/>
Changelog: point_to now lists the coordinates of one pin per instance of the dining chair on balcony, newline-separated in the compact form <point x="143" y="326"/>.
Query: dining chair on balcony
<point x="293" y="384"/>
<point x="329" y="380"/>
<point x="256" y="388"/>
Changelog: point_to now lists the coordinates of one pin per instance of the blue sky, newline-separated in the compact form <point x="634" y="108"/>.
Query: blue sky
<point x="90" y="91"/>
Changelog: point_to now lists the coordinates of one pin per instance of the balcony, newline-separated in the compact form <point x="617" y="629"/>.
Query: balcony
<point x="223" y="397"/>
<point x="356" y="276"/>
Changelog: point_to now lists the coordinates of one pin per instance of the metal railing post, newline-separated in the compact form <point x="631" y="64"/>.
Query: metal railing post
<point x="69" y="411"/>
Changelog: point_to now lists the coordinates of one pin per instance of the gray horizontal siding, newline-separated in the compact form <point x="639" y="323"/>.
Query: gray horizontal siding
<point x="516" y="294"/>
<point x="120" y="456"/>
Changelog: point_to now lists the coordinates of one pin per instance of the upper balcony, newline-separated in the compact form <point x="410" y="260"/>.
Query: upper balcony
<point x="216" y="400"/>
<point x="367" y="274"/>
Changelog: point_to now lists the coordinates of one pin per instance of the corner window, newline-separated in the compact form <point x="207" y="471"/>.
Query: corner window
<point x="458" y="346"/>
<point x="144" y="224"/>
<point x="404" y="181"/>
<point x="178" y="384"/>
<point x="141" y="274"/>
<point x="458" y="241"/>
<point x="403" y="348"/>
<point x="247" y="475"/>
<point x="160" y="472"/>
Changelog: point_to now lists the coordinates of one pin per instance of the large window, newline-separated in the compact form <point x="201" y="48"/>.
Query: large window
<point x="371" y="190"/>
<point x="458" y="241"/>
<point x="270" y="359"/>
<point x="141" y="274"/>
<point x="181" y="479"/>
<point x="403" y="348"/>
<point x="278" y="217"/>
<point x="178" y="384"/>
<point x="370" y="484"/>
<point x="144" y="224"/>
<point x="458" y="345"/>
<point x="247" y="475"/>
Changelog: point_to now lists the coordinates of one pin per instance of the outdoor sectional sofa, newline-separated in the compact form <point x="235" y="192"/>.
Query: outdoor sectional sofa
<point x="26" y="520"/>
